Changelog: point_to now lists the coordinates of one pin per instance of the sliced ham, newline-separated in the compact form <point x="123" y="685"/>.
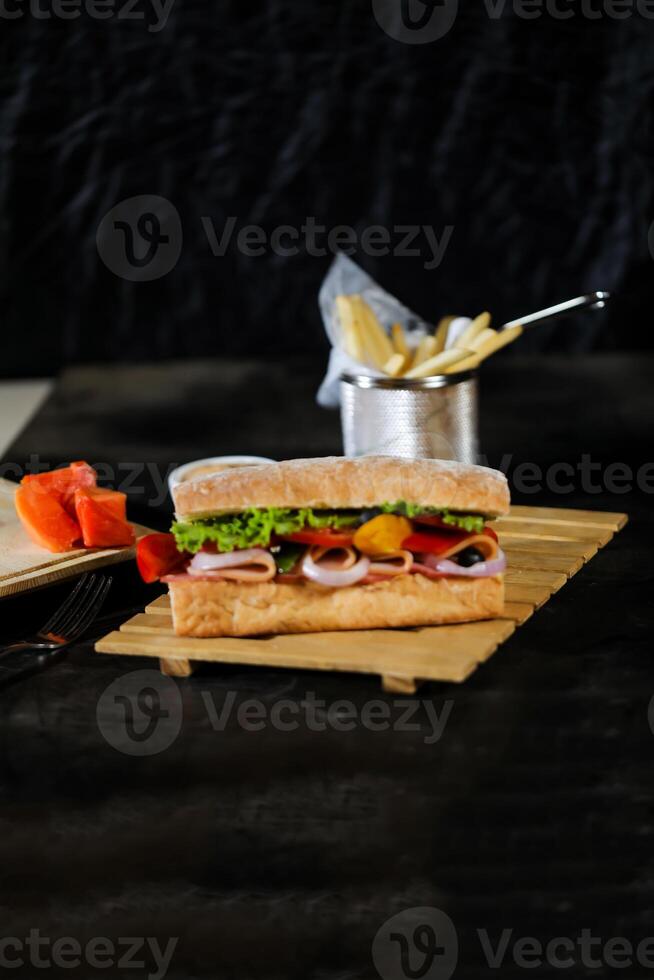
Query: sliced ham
<point x="249" y="565"/>
<point x="394" y="563"/>
<point x="482" y="542"/>
<point x="419" y="569"/>
<point x="334" y="558"/>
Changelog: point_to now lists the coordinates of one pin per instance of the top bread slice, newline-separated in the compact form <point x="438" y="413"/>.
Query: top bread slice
<point x="337" y="482"/>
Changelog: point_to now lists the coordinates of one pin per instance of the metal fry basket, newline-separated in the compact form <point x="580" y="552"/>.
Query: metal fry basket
<point x="429" y="418"/>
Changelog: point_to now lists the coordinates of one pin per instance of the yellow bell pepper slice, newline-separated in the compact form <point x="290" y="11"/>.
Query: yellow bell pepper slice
<point x="382" y="534"/>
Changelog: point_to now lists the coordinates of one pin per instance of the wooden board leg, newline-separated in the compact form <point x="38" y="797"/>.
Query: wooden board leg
<point x="400" y="685"/>
<point x="176" y="668"/>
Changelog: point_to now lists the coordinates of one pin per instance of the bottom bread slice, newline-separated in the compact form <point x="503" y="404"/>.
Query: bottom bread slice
<point x="214" y="608"/>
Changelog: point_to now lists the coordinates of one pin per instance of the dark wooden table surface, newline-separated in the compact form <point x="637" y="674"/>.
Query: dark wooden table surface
<point x="281" y="853"/>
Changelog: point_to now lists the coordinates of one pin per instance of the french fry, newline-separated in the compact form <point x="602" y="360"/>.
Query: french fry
<point x="377" y="342"/>
<point x="500" y="339"/>
<point x="468" y="363"/>
<point x="482" y="338"/>
<point x="437" y="364"/>
<point x="426" y="348"/>
<point x="399" y="340"/>
<point x="372" y="356"/>
<point x="481" y="322"/>
<point x="395" y="365"/>
<point x="441" y="331"/>
<point x="351" y="329"/>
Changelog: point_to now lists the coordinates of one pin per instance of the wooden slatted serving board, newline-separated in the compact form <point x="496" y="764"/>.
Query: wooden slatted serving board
<point x="25" y="566"/>
<point x="544" y="546"/>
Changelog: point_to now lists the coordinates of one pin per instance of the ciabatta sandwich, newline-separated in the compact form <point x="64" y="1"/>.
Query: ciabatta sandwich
<point x="332" y="544"/>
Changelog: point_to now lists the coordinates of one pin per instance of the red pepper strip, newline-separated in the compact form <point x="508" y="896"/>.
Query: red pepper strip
<point x="435" y="541"/>
<point x="157" y="555"/>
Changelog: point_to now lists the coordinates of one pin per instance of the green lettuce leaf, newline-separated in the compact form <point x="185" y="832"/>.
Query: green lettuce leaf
<point x="254" y="528"/>
<point x="465" y="522"/>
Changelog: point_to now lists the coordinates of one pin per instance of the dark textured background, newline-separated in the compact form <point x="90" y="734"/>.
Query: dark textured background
<point x="532" y="137"/>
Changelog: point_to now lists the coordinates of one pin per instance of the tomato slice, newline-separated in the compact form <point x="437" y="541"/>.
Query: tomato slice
<point x="432" y="520"/>
<point x="491" y="533"/>
<point x="157" y="555"/>
<point x="325" y="537"/>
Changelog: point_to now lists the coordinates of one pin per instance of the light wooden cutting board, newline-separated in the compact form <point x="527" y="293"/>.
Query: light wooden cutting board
<point x="544" y="546"/>
<point x="24" y="565"/>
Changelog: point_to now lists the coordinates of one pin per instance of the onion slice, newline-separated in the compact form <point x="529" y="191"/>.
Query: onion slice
<point x="330" y="572"/>
<point x="482" y="569"/>
<point x="248" y="565"/>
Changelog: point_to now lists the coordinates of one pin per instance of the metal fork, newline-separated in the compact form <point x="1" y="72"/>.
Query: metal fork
<point x="70" y="621"/>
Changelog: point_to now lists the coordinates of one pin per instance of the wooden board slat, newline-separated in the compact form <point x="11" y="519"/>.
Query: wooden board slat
<point x="432" y="653"/>
<point x="544" y="547"/>
<point x="533" y="546"/>
<point x="537" y="595"/>
<point x="550" y="531"/>
<point x="24" y="565"/>
<point x="161" y="604"/>
<point x="519" y="612"/>
<point x="565" y="515"/>
<point x="550" y="563"/>
<point x="529" y="576"/>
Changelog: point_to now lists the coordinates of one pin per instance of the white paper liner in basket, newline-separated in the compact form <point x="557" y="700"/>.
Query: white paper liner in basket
<point x="344" y="278"/>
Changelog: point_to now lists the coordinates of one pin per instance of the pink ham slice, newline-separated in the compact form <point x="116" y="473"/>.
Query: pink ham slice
<point x="394" y="563"/>
<point x="249" y="565"/>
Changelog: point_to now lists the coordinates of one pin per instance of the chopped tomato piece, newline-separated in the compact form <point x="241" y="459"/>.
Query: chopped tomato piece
<point x="326" y="537"/>
<point x="101" y="516"/>
<point x="157" y="555"/>
<point x="64" y="481"/>
<point x="115" y="501"/>
<point x="44" y="518"/>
